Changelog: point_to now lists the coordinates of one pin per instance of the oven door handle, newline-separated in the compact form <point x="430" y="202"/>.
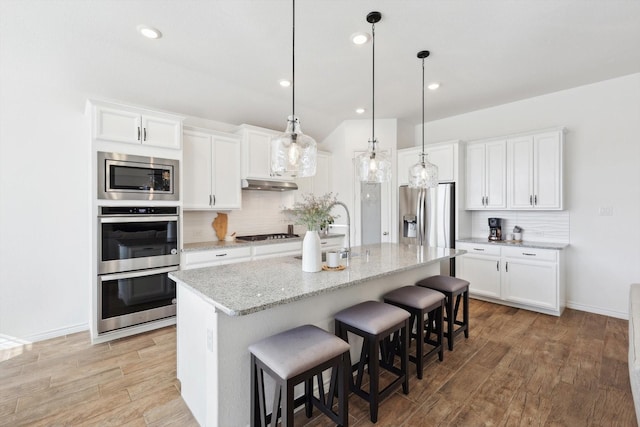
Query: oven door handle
<point x="135" y="218"/>
<point x="137" y="273"/>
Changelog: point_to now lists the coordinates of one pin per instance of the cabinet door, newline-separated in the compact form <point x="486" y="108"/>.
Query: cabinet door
<point x="196" y="170"/>
<point x="161" y="132"/>
<point x="322" y="179"/>
<point x="521" y="173"/>
<point x="548" y="170"/>
<point x="406" y="158"/>
<point x="226" y="173"/>
<point x="475" y="178"/>
<point x="116" y="125"/>
<point x="442" y="156"/>
<point x="532" y="283"/>
<point x="482" y="273"/>
<point x="257" y="155"/>
<point x="496" y="173"/>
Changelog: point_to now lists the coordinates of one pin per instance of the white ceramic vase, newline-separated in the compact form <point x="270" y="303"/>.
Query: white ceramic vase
<point x="311" y="252"/>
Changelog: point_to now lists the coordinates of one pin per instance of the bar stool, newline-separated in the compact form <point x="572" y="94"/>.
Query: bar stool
<point x="376" y="322"/>
<point x="290" y="358"/>
<point x="421" y="302"/>
<point x="453" y="289"/>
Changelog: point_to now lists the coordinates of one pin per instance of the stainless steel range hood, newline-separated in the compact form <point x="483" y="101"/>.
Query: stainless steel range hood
<point x="266" y="185"/>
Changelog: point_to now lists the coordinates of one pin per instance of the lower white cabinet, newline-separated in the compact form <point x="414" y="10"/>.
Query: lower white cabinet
<point x="211" y="257"/>
<point x="522" y="277"/>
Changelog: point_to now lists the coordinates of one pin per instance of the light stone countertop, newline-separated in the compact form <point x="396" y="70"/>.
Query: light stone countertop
<point x="523" y="244"/>
<point x="247" y="287"/>
<point x="221" y="244"/>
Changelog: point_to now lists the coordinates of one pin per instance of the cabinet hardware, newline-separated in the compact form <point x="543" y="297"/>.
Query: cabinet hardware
<point x="386" y="233"/>
<point x="210" y="200"/>
<point x="138" y="133"/>
<point x="486" y="201"/>
<point x="497" y="265"/>
<point x="531" y="200"/>
<point x="145" y="134"/>
<point x="528" y="254"/>
<point x="214" y="200"/>
<point x="221" y="254"/>
<point x="506" y="267"/>
<point x="535" y="199"/>
<point x="478" y="249"/>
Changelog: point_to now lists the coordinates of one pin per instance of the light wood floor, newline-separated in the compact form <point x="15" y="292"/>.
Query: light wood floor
<point x="517" y="368"/>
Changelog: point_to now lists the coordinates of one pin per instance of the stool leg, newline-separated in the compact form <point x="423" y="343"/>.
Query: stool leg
<point x="465" y="312"/>
<point x="404" y="361"/>
<point x="343" y="391"/>
<point x="419" y="340"/>
<point x="374" y="372"/>
<point x="450" y="320"/>
<point x="287" y="405"/>
<point x="439" y="328"/>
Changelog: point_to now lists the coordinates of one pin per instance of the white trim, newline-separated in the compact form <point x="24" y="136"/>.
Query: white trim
<point x="7" y="342"/>
<point x="598" y="310"/>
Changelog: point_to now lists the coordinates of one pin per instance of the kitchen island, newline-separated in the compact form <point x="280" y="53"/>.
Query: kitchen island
<point x="223" y="309"/>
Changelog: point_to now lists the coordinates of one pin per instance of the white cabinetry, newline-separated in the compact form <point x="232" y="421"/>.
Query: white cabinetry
<point x="320" y="183"/>
<point x="486" y="174"/>
<point x="211" y="257"/>
<point x="527" y="278"/>
<point x="121" y="123"/>
<point x="443" y="155"/>
<point x="256" y="153"/>
<point x="535" y="171"/>
<point x="211" y="170"/>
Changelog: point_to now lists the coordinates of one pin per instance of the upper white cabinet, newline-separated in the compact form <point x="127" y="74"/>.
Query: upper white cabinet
<point x="443" y="155"/>
<point x="486" y="175"/>
<point x="320" y="183"/>
<point x="121" y="123"/>
<point x="256" y="152"/>
<point x="211" y="171"/>
<point x="535" y="171"/>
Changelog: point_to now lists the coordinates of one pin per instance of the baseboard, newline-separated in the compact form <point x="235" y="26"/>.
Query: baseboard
<point x="7" y="341"/>
<point x="598" y="310"/>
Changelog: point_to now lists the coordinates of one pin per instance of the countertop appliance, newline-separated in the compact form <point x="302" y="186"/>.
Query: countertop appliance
<point x="495" y="228"/>
<point x="272" y="236"/>
<point x="427" y="217"/>
<point x="137" y="249"/>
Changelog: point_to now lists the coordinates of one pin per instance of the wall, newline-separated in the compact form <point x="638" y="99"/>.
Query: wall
<point x="601" y="157"/>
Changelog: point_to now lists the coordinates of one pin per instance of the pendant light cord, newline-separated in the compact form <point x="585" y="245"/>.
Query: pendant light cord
<point x="422" y="109"/>
<point x="373" y="84"/>
<point x="293" y="62"/>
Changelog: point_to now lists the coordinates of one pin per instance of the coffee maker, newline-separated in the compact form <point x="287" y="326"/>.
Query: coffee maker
<point x="495" y="228"/>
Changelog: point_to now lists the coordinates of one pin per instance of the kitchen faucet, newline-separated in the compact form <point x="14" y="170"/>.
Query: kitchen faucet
<point x="345" y="252"/>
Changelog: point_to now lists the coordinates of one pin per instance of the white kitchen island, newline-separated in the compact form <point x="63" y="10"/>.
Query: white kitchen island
<point x="223" y="309"/>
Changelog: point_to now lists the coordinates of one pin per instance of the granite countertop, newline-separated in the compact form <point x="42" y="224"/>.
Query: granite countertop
<point x="247" y="287"/>
<point x="221" y="244"/>
<point x="523" y="244"/>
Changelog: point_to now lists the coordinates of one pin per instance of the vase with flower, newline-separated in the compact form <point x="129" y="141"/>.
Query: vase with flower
<point x="312" y="212"/>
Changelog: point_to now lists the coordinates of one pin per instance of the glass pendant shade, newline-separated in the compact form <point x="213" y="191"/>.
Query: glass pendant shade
<point x="373" y="166"/>
<point x="293" y="154"/>
<point x="423" y="174"/>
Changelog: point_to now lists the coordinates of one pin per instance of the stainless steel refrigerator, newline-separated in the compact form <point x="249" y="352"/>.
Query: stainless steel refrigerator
<point x="427" y="217"/>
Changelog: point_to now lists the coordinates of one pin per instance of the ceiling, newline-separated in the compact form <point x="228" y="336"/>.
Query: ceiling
<point x="483" y="53"/>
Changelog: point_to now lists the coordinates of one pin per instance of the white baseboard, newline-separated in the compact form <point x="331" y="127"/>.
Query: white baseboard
<point x="7" y="342"/>
<point x="598" y="310"/>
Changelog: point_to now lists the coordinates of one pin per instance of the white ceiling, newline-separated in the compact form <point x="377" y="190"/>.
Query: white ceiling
<point x="483" y="53"/>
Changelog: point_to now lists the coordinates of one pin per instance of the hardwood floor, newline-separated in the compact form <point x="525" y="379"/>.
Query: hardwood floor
<point x="517" y="368"/>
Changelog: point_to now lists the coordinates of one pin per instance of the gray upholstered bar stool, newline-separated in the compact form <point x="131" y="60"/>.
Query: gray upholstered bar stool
<point x="376" y="322"/>
<point x="454" y="290"/>
<point x="290" y="358"/>
<point x="421" y="302"/>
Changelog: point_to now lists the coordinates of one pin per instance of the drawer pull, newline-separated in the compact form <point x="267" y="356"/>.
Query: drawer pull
<point x="478" y="249"/>
<point x="506" y="267"/>
<point x="497" y="265"/>
<point x="221" y="254"/>
<point x="528" y="254"/>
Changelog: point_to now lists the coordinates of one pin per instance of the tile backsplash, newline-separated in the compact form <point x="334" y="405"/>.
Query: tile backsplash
<point x="541" y="226"/>
<point x="261" y="213"/>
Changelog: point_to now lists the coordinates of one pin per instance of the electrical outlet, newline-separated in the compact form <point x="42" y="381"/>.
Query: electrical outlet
<point x="605" y="211"/>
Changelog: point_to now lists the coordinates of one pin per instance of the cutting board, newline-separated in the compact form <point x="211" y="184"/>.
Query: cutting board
<point x="220" y="225"/>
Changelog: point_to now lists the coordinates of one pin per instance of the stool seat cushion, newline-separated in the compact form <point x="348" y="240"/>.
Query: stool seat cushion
<point x="372" y="317"/>
<point x="297" y="350"/>
<point x="415" y="296"/>
<point x="444" y="283"/>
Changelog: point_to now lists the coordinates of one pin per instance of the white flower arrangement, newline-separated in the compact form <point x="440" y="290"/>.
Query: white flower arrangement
<point x="313" y="211"/>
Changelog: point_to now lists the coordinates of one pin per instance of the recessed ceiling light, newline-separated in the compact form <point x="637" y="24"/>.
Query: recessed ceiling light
<point x="360" y="38"/>
<point x="284" y="82"/>
<point x="149" y="32"/>
<point x="360" y="110"/>
<point x="433" y="86"/>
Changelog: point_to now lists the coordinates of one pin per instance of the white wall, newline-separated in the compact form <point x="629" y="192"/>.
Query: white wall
<point x="602" y="154"/>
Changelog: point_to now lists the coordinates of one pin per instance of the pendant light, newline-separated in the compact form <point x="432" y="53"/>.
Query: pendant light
<point x="373" y="166"/>
<point x="423" y="174"/>
<point x="293" y="154"/>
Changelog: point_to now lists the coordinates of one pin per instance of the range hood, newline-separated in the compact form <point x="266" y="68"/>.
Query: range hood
<point x="267" y="185"/>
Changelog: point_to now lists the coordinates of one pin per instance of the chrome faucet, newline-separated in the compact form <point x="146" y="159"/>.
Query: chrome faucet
<point x="345" y="252"/>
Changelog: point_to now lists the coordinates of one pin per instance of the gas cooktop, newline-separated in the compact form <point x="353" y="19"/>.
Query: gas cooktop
<point x="273" y="236"/>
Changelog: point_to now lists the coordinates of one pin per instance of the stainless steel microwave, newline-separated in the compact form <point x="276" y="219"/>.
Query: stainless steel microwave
<point x="128" y="177"/>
